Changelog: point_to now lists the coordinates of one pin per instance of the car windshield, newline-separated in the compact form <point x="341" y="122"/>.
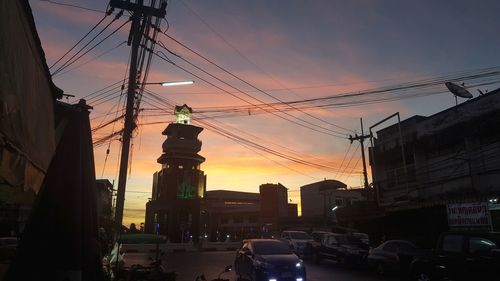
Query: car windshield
<point x="300" y="235"/>
<point x="271" y="248"/>
<point x="347" y="239"/>
<point x="360" y="235"/>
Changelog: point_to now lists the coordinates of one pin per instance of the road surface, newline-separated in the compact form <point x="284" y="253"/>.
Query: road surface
<point x="190" y="264"/>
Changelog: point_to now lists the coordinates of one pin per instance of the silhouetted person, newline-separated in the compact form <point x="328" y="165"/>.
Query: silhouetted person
<point x="133" y="228"/>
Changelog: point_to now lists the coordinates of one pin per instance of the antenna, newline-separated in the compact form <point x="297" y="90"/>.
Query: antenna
<point x="458" y="91"/>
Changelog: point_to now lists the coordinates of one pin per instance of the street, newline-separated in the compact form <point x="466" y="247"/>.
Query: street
<point x="188" y="265"/>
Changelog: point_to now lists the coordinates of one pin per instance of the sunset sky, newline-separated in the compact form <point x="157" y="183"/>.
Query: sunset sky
<point x="292" y="50"/>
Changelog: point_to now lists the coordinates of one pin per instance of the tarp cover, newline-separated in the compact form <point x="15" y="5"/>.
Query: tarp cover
<point x="26" y="100"/>
<point x="61" y="239"/>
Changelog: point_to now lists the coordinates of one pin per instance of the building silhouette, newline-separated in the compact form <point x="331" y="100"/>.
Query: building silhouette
<point x="232" y="215"/>
<point x="178" y="188"/>
<point x="318" y="198"/>
<point x="451" y="157"/>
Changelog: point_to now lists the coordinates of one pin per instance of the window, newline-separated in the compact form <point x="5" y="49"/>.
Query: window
<point x="453" y="243"/>
<point x="390" y="247"/>
<point x="223" y="221"/>
<point x="238" y="220"/>
<point x="252" y="219"/>
<point x="339" y="202"/>
<point x="299" y="235"/>
<point x="405" y="246"/>
<point x="271" y="248"/>
<point x="479" y="245"/>
<point x="317" y="237"/>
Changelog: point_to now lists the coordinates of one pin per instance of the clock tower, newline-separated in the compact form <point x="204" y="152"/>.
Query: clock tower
<point x="178" y="188"/>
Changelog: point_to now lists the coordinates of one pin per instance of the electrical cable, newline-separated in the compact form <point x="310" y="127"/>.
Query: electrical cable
<point x="273" y="113"/>
<point x="72" y="5"/>
<point x="72" y="60"/>
<point x="249" y="84"/>
<point x="90" y="60"/>
<point x="239" y="139"/>
<point x="79" y="41"/>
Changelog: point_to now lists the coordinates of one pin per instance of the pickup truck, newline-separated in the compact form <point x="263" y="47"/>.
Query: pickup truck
<point x="460" y="256"/>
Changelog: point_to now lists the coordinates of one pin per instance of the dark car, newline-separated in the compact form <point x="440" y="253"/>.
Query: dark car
<point x="461" y="256"/>
<point x="268" y="259"/>
<point x="8" y="247"/>
<point x="317" y="236"/>
<point x="393" y="256"/>
<point x="345" y="249"/>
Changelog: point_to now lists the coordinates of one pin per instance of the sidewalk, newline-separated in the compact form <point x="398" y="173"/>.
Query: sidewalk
<point x="181" y="247"/>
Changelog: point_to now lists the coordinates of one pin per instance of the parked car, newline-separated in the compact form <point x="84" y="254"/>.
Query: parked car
<point x="345" y="249"/>
<point x="393" y="256"/>
<point x="297" y="240"/>
<point x="461" y="256"/>
<point x="363" y="237"/>
<point x="268" y="259"/>
<point x="8" y="246"/>
<point x="316" y="236"/>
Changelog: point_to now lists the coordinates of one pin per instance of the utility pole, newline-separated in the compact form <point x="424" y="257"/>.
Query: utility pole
<point x="361" y="140"/>
<point x="141" y="16"/>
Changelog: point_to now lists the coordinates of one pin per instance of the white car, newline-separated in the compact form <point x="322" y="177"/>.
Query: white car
<point x="297" y="240"/>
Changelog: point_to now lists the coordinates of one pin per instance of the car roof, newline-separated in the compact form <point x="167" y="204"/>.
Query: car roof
<point x="399" y="241"/>
<point x="337" y="234"/>
<point x="263" y="240"/>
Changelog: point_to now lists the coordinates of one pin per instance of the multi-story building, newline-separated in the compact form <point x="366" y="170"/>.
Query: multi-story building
<point x="449" y="157"/>
<point x="232" y="213"/>
<point x="275" y="209"/>
<point x="236" y="215"/>
<point x="319" y="198"/>
<point x="179" y="186"/>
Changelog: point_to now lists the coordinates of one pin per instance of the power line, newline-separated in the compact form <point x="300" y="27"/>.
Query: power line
<point x="90" y="60"/>
<point x="162" y="99"/>
<point x="239" y="139"/>
<point x="273" y="113"/>
<point x="349" y="162"/>
<point x="343" y="159"/>
<point x="246" y="82"/>
<point x="72" y="59"/>
<point x="79" y="41"/>
<point x="72" y="5"/>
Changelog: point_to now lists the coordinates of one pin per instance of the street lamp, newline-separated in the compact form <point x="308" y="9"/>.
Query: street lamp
<point x="169" y="83"/>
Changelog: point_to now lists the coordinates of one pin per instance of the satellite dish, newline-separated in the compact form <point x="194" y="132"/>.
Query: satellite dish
<point x="458" y="91"/>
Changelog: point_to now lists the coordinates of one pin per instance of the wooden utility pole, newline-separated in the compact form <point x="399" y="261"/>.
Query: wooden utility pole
<point x="141" y="16"/>
<point x="361" y="140"/>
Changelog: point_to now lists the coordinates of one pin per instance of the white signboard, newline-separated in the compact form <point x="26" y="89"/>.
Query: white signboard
<point x="468" y="214"/>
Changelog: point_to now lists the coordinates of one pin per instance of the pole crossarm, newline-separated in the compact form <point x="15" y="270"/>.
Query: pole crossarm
<point x="140" y="8"/>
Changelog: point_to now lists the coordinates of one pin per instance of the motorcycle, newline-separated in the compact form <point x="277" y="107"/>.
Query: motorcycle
<point x="227" y="269"/>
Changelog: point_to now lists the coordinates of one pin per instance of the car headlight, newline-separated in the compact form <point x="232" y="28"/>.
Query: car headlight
<point x="299" y="264"/>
